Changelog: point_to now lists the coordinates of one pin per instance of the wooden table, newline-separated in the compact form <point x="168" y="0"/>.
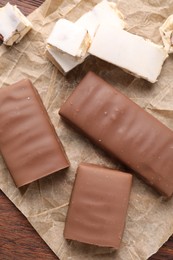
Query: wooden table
<point x="18" y="240"/>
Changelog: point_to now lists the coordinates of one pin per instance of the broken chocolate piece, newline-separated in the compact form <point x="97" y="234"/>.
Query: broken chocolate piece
<point x="123" y="129"/>
<point x="98" y="206"/>
<point x="28" y="141"/>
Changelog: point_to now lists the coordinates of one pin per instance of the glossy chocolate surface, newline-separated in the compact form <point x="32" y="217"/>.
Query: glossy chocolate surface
<point x="98" y="206"/>
<point x="123" y="129"/>
<point x="28" y="141"/>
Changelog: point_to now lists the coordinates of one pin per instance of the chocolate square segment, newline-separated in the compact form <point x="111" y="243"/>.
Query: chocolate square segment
<point x="98" y="206"/>
<point x="28" y="141"/>
<point x="123" y="129"/>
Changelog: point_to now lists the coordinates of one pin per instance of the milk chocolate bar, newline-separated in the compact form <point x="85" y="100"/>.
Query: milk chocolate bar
<point x="98" y="206"/>
<point x="28" y="141"/>
<point x="123" y="129"/>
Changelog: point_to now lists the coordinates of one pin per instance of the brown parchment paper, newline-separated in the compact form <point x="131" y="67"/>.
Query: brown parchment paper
<point x="45" y="202"/>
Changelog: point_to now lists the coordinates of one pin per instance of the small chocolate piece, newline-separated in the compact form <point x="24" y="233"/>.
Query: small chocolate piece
<point x="123" y="129"/>
<point x="28" y="141"/>
<point x="98" y="206"/>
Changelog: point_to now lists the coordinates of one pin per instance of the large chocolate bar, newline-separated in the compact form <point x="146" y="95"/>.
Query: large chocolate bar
<point x="98" y="206"/>
<point x="28" y="141"/>
<point x="123" y="129"/>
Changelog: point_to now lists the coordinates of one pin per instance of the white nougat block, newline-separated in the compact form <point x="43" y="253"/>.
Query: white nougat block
<point x="62" y="61"/>
<point x="13" y="25"/>
<point x="103" y="13"/>
<point x="89" y="22"/>
<point x="108" y="13"/>
<point x="166" y="31"/>
<point x="67" y="48"/>
<point x="69" y="38"/>
<point x="132" y="53"/>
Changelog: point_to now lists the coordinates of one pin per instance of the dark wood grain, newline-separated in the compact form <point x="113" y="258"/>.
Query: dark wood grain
<point x="18" y="240"/>
<point x="26" y="6"/>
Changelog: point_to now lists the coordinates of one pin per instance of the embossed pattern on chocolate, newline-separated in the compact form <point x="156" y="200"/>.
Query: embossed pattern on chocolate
<point x="28" y="141"/>
<point x="123" y="129"/>
<point x="98" y="206"/>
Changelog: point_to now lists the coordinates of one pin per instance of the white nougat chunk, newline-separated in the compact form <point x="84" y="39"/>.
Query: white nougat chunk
<point x="108" y="13"/>
<point x="13" y="25"/>
<point x="133" y="53"/>
<point x="62" y="61"/>
<point x="166" y="31"/>
<point x="103" y="13"/>
<point x="89" y="22"/>
<point x="69" y="38"/>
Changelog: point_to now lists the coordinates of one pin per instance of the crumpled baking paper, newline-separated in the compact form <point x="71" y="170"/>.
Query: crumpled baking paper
<point x="45" y="202"/>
